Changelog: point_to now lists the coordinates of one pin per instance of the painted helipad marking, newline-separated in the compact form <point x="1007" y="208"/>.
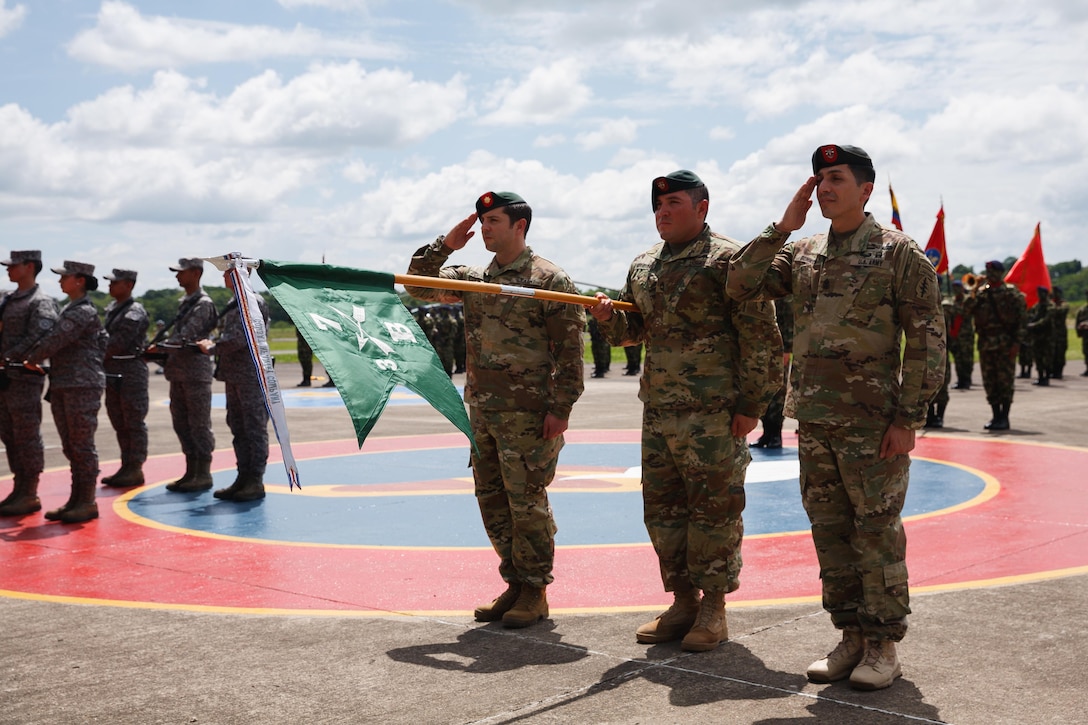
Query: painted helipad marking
<point x="369" y="536"/>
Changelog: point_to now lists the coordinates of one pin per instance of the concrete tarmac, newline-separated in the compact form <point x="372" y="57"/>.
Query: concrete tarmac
<point x="1007" y="654"/>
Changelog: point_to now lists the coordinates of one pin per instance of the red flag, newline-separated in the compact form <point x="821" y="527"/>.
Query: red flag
<point x="935" y="249"/>
<point x="1030" y="272"/>
<point x="895" y="210"/>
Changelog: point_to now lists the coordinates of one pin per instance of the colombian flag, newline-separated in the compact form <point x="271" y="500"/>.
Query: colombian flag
<point x="895" y="210"/>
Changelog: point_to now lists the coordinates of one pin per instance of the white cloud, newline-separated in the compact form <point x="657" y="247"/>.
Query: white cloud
<point x="549" y="94"/>
<point x="346" y="5"/>
<point x="10" y="18"/>
<point x="612" y="132"/>
<point x="126" y="40"/>
<point x="722" y="133"/>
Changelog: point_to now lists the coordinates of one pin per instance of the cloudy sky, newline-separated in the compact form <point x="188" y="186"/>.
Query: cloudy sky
<point x="134" y="132"/>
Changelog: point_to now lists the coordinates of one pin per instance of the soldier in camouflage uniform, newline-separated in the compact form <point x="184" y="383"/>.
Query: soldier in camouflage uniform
<point x="1001" y="325"/>
<point x="459" y="340"/>
<point x="524" y="372"/>
<point x="27" y="315"/>
<point x="1080" y="324"/>
<point x="961" y="335"/>
<point x="712" y="366"/>
<point x="190" y="374"/>
<point x="126" y="372"/>
<point x="775" y="416"/>
<point x="858" y="397"/>
<point x="937" y="406"/>
<point x="1058" y="316"/>
<point x="247" y="416"/>
<point x="1041" y="332"/>
<point x="445" y="327"/>
<point x="75" y="347"/>
<point x="602" y="351"/>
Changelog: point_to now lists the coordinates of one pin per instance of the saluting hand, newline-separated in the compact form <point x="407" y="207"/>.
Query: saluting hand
<point x="460" y="234"/>
<point x="794" y="216"/>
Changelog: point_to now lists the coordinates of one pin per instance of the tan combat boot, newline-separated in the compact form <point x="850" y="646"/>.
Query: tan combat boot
<point x="185" y="477"/>
<point x="530" y="608"/>
<point x="710" y="627"/>
<point x="500" y="605"/>
<point x="841" y="661"/>
<point x="23" y="498"/>
<point x="879" y="666"/>
<point x="129" y="475"/>
<point x="674" y="622"/>
<point x="200" y="479"/>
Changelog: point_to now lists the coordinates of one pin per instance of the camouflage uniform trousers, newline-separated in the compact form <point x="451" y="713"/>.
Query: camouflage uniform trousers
<point x="191" y="414"/>
<point x="247" y="418"/>
<point x="512" y="467"/>
<point x="853" y="499"/>
<point x="127" y="403"/>
<point x="998" y="375"/>
<point x="963" y="353"/>
<point x="75" y="412"/>
<point x="943" y="397"/>
<point x="693" y="496"/>
<point x="21" y="425"/>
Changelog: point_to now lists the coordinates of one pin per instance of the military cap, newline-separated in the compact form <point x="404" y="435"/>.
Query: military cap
<point x="957" y="283"/>
<point x="681" y="180"/>
<point x="121" y="275"/>
<point x="188" y="263"/>
<point x="1041" y="288"/>
<point x="27" y="255"/>
<point x="832" y="155"/>
<point x="73" y="268"/>
<point x="1056" y="290"/>
<point x="496" y="200"/>
<point x="995" y="265"/>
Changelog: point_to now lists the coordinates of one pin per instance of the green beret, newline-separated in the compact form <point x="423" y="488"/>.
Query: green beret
<point x="832" y="155"/>
<point x="681" y="180"/>
<point x="496" y="200"/>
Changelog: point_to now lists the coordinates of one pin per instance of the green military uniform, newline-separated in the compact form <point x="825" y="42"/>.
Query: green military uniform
<point x="961" y="335"/>
<point x="708" y="358"/>
<point x="1001" y="325"/>
<point x="1081" y="325"/>
<point x="1058" y="316"/>
<point x="776" y="410"/>
<point x="1041" y="334"/>
<point x="523" y="360"/>
<point x="854" y="299"/>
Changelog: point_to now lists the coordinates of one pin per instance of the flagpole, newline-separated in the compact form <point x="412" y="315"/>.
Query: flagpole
<point x="460" y="285"/>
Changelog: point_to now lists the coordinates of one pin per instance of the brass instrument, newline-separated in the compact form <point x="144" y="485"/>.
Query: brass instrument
<point x="973" y="283"/>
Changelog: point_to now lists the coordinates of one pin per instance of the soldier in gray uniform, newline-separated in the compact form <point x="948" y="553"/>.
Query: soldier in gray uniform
<point x="247" y="416"/>
<point x="190" y="374"/>
<point x="858" y="395"/>
<point x="524" y="371"/>
<point x="75" y="347"/>
<point x="712" y="366"/>
<point x="126" y="372"/>
<point x="27" y="315"/>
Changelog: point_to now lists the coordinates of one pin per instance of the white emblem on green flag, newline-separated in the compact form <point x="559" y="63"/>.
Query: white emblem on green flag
<point x="366" y="339"/>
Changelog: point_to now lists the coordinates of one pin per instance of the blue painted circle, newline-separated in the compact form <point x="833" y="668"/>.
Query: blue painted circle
<point x="453" y="519"/>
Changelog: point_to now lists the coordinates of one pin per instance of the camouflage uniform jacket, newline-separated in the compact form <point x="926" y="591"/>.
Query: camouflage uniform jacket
<point x="1040" y="324"/>
<point x="126" y="324"/>
<point x="235" y="363"/>
<point x="195" y="321"/>
<point x="75" y="347"/>
<point x="28" y="316"/>
<point x="1059" y="313"/>
<point x="1001" y="317"/>
<point x="961" y="325"/>
<point x="853" y="302"/>
<point x="704" y="351"/>
<point x="521" y="353"/>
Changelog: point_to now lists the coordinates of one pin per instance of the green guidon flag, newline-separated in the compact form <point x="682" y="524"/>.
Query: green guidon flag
<point x="366" y="339"/>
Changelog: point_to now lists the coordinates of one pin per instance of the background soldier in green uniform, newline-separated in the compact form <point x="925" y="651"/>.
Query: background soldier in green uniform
<point x="524" y="372"/>
<point x="1081" y="325"/>
<point x="75" y="347"/>
<point x="858" y="397"/>
<point x="1041" y="332"/>
<point x="961" y="335"/>
<point x="711" y="367"/>
<point x="26" y="315"/>
<point x="776" y="410"/>
<point x="127" y="399"/>
<point x="1001" y="324"/>
<point x="1059" y="315"/>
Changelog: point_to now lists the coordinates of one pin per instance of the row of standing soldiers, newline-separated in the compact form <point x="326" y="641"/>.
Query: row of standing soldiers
<point x="444" y="326"/>
<point x="997" y="314"/>
<point x="89" y="356"/>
